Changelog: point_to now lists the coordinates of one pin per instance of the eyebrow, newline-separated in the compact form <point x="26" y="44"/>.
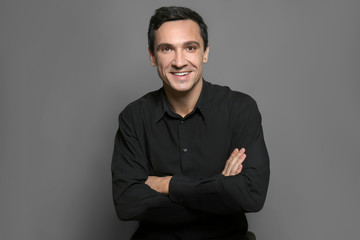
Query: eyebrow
<point x="162" y="45"/>
<point x="191" y="43"/>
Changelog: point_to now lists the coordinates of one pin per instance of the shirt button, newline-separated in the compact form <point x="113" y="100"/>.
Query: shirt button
<point x="185" y="149"/>
<point x="181" y="121"/>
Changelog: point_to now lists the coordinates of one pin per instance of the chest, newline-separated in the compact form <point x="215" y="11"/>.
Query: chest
<point x="192" y="147"/>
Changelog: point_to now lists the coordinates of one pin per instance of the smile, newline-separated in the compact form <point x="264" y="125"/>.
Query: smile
<point x="180" y="73"/>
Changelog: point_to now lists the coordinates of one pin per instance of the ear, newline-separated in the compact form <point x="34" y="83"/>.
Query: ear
<point x="206" y="55"/>
<point x="152" y="58"/>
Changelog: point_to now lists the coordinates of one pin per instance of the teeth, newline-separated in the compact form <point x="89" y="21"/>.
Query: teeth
<point x="181" y="73"/>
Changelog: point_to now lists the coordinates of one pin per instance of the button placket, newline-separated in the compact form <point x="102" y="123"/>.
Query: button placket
<point x="181" y="138"/>
<point x="183" y="142"/>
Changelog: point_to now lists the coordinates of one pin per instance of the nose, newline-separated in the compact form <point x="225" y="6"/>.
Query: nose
<point x="179" y="60"/>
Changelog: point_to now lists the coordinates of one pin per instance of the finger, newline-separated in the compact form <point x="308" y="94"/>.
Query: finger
<point x="242" y="158"/>
<point x="232" y="155"/>
<point x="238" y="165"/>
<point x="242" y="150"/>
<point x="233" y="163"/>
<point x="236" y="150"/>
<point x="230" y="163"/>
<point x="149" y="180"/>
<point x="239" y="169"/>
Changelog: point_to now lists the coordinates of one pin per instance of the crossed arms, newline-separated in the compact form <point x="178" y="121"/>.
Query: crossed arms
<point x="232" y="167"/>
<point x="240" y="187"/>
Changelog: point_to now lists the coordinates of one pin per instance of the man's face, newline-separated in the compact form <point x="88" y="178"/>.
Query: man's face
<point x="179" y="55"/>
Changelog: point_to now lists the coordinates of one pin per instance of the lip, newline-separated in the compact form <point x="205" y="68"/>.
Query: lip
<point x="181" y="76"/>
<point x="182" y="73"/>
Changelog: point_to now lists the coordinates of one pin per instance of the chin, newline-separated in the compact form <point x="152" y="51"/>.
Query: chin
<point x="182" y="87"/>
<point x="180" y="84"/>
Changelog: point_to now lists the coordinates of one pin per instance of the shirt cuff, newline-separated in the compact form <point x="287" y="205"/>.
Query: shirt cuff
<point x="180" y="187"/>
<point x="188" y="191"/>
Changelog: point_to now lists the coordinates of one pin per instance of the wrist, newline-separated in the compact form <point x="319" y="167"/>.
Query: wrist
<point x="166" y="184"/>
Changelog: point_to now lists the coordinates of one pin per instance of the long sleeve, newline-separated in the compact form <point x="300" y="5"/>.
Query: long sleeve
<point x="133" y="199"/>
<point x="244" y="192"/>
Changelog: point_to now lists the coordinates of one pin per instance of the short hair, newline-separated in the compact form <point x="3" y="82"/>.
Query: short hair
<point x="166" y="14"/>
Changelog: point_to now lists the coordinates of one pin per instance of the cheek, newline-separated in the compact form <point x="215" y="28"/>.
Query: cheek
<point x="162" y="69"/>
<point x="196" y="60"/>
<point x="163" y="63"/>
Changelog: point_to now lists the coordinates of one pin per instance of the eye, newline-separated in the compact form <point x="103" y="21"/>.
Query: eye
<point x="165" y="49"/>
<point x="191" y="48"/>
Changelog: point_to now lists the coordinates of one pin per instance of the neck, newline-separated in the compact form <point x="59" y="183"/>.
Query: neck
<point x="184" y="103"/>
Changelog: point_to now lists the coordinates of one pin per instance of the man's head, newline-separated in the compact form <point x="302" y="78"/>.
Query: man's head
<point x="166" y="14"/>
<point x="178" y="47"/>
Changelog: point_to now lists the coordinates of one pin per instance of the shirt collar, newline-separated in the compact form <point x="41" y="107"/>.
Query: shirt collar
<point x="163" y="107"/>
<point x="203" y="102"/>
<point x="160" y="108"/>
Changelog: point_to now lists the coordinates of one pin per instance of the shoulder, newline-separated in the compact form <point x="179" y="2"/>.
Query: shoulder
<point x="234" y="99"/>
<point x="242" y="100"/>
<point x="144" y="105"/>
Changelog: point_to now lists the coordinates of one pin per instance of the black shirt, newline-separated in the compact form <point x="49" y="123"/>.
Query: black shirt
<point x="202" y="203"/>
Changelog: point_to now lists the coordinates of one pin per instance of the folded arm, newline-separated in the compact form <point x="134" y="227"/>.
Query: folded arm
<point x="232" y="167"/>
<point x="242" y="185"/>
<point x="133" y="199"/>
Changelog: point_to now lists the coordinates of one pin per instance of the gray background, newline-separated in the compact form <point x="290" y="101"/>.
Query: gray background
<point x="67" y="69"/>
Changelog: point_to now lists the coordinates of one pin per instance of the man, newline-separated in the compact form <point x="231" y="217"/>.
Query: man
<point x="189" y="159"/>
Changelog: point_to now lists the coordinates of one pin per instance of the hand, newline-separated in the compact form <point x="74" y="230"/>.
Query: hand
<point x="159" y="184"/>
<point x="233" y="165"/>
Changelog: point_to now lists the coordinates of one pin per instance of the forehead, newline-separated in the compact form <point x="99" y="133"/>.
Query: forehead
<point x="177" y="32"/>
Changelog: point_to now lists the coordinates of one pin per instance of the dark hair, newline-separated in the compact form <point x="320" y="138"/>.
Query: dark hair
<point x="166" y="14"/>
